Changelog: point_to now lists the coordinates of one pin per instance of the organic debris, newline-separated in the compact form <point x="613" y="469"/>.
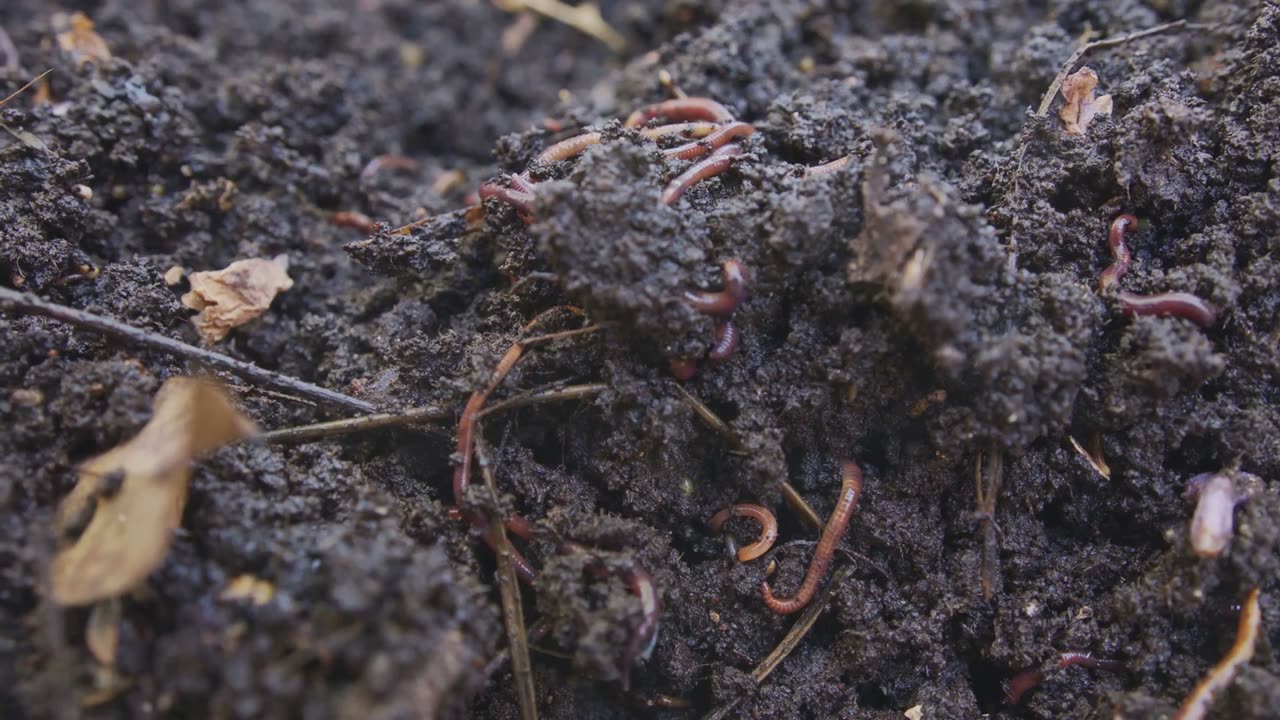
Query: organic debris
<point x="233" y="296"/>
<point x="77" y="38"/>
<point x="1197" y="704"/>
<point x="248" y="588"/>
<point x="102" y="634"/>
<point x="136" y="492"/>
<point x="1081" y="106"/>
<point x="584" y="18"/>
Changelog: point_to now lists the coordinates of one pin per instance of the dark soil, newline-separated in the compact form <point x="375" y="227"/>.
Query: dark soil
<point x="957" y="252"/>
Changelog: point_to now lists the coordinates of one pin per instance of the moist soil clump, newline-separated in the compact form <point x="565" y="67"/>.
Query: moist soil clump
<point x="930" y="310"/>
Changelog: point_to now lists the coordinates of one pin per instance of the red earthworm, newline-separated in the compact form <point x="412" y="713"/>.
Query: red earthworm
<point x="684" y="368"/>
<point x="1177" y="304"/>
<point x="727" y="337"/>
<point x="698" y="148"/>
<point x="850" y="492"/>
<point x="354" y="220"/>
<point x="467" y="434"/>
<point x="645" y="636"/>
<point x="768" y="528"/>
<point x="714" y="164"/>
<point x="826" y="168"/>
<point x="389" y="162"/>
<point x="1028" y="679"/>
<point x="519" y="199"/>
<point x="1119" y="251"/>
<point x="727" y="300"/>
<point x="1022" y="683"/>
<point x="566" y="149"/>
<point x="688" y="129"/>
<point x="688" y="108"/>
<point x="1067" y="659"/>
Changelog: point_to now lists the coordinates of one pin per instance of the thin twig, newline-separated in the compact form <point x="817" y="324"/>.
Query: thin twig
<point x="364" y="423"/>
<point x="570" y="392"/>
<point x="27" y="303"/>
<point x="509" y="591"/>
<point x="20" y="90"/>
<point x="790" y="642"/>
<point x="793" y="497"/>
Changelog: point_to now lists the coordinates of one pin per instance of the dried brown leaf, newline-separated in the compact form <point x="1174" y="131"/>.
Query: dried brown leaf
<point x="1081" y="106"/>
<point x="233" y="296"/>
<point x="102" y="634"/>
<point x="138" y="490"/>
<point x="77" y="38"/>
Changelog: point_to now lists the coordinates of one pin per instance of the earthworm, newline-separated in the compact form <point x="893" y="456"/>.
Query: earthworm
<point x="1119" y="251"/>
<point x="1177" y="304"/>
<point x="355" y="220"/>
<point x="727" y="300"/>
<point x="727" y="337"/>
<point x="688" y="108"/>
<point x="826" y="168"/>
<point x="568" y="148"/>
<point x="1028" y="679"/>
<point x="850" y="491"/>
<point x="684" y="368"/>
<point x="698" y="148"/>
<point x="689" y="129"/>
<point x="1196" y="705"/>
<point x="645" y="636"/>
<point x="521" y="200"/>
<point x="389" y="162"/>
<point x="714" y="164"/>
<point x="768" y="528"/>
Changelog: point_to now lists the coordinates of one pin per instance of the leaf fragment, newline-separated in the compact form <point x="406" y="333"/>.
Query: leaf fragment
<point x="77" y="38"/>
<point x="136" y="492"/>
<point x="236" y="294"/>
<point x="1081" y="106"/>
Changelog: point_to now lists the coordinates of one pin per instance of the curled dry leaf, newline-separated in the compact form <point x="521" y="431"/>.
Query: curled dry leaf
<point x="137" y="490"/>
<point x="236" y="294"/>
<point x="102" y="635"/>
<point x="77" y="38"/>
<point x="1081" y="106"/>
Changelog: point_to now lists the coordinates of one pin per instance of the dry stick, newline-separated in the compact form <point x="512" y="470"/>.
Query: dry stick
<point x="793" y="497"/>
<point x="985" y="496"/>
<point x="29" y="304"/>
<point x="790" y="642"/>
<point x="20" y="90"/>
<point x="335" y="428"/>
<point x="509" y="591"/>
<point x="569" y="392"/>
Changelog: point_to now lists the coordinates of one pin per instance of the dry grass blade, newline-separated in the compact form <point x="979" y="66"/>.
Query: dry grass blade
<point x="102" y="634"/>
<point x="509" y="591"/>
<point x="584" y="18"/>
<point x="790" y="642"/>
<point x="136" y="492"/>
<point x="364" y="423"/>
<point x="23" y="89"/>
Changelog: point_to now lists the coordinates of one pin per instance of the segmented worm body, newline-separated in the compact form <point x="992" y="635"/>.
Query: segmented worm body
<point x="768" y="528"/>
<point x="827" y="168"/>
<point x="698" y="148"/>
<point x="714" y="164"/>
<point x="689" y="108"/>
<point x="832" y="534"/>
<point x="1119" y="251"/>
<point x="727" y="337"/>
<point x="722" y="302"/>
<point x="1175" y="304"/>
